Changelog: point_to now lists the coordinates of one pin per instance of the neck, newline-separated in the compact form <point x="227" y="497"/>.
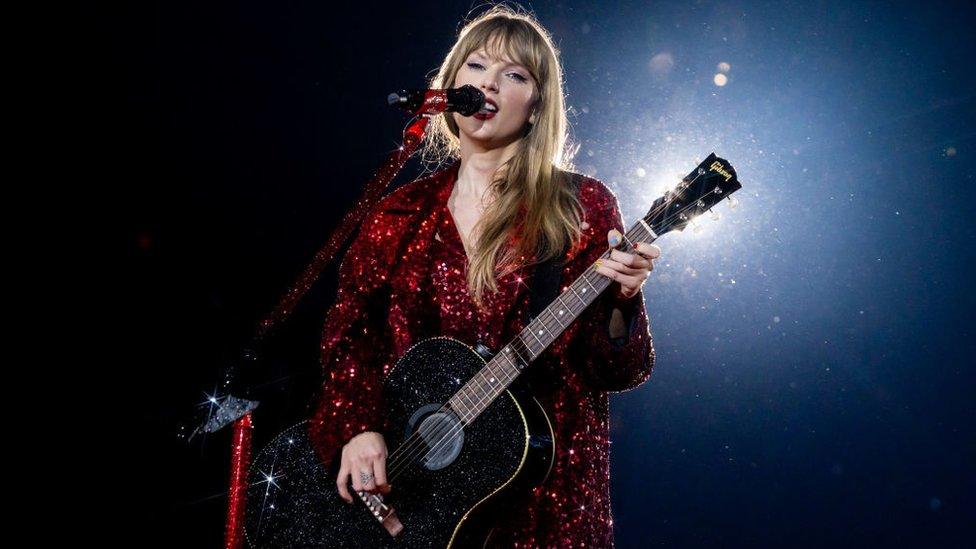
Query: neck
<point x="502" y="369"/>
<point x="478" y="164"/>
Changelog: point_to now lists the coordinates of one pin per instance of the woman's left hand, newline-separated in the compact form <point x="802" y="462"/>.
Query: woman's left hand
<point x="629" y="270"/>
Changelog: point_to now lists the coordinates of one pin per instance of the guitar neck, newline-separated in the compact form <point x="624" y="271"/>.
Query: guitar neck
<point x="479" y="392"/>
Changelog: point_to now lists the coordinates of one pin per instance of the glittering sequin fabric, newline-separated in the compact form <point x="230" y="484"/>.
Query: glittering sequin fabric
<point x="403" y="280"/>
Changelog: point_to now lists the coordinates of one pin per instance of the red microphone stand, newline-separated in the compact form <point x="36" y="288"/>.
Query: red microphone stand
<point x="422" y="104"/>
<point x="243" y="426"/>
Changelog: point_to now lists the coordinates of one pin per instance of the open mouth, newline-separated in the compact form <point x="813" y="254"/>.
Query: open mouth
<point x="489" y="106"/>
<point x="488" y="110"/>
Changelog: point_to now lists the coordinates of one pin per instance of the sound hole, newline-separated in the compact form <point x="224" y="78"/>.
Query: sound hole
<point x="442" y="433"/>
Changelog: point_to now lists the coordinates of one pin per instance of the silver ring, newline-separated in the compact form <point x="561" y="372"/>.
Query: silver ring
<point x="365" y="477"/>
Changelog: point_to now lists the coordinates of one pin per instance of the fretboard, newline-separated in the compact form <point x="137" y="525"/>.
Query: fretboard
<point x="475" y="396"/>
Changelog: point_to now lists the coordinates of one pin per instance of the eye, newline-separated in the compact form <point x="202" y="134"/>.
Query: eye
<point x="518" y="77"/>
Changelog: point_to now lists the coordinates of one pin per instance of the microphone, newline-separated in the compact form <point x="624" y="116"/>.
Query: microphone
<point x="465" y="100"/>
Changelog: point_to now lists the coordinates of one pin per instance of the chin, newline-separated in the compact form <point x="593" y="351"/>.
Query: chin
<point x="483" y="135"/>
<point x="493" y="141"/>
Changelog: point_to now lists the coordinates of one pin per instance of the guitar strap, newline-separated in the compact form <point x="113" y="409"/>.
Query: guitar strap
<point x="545" y="284"/>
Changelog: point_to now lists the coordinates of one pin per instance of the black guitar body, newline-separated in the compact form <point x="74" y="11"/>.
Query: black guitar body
<point x="450" y="500"/>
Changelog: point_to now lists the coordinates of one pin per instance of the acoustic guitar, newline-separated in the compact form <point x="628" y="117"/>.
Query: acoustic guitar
<point x="466" y="439"/>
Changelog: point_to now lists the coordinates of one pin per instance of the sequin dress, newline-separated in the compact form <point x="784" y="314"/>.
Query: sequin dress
<point x="402" y="280"/>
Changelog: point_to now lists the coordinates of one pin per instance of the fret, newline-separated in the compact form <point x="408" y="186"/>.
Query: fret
<point x="587" y="279"/>
<point x="481" y="387"/>
<point x="650" y="231"/>
<point x="500" y="376"/>
<point x="578" y="296"/>
<point x="531" y="331"/>
<point x="474" y="397"/>
<point x="511" y="349"/>
<point x="501" y="372"/>
<point x="513" y="368"/>
<point x="551" y="335"/>
<point x="465" y="393"/>
<point x="491" y="382"/>
<point x="526" y="344"/>
<point x="518" y="354"/>
<point x="509" y="359"/>
<point x="562" y="308"/>
<point x="511" y="364"/>
<point x="462" y="409"/>
<point x="507" y="375"/>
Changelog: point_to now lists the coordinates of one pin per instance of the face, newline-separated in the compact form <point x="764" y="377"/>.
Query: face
<point x="513" y="90"/>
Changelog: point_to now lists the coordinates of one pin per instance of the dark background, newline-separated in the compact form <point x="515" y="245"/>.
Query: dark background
<point x="814" y="346"/>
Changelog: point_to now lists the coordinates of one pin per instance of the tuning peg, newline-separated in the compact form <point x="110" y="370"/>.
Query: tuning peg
<point x="695" y="227"/>
<point x="733" y="202"/>
<point x="715" y="215"/>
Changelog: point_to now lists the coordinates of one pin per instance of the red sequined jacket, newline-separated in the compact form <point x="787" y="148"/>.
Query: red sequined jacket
<point x="410" y="250"/>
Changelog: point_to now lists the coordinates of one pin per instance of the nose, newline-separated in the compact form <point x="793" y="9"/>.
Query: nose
<point x="488" y="82"/>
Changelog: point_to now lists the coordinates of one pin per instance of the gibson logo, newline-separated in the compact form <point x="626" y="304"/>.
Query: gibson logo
<point x="717" y="166"/>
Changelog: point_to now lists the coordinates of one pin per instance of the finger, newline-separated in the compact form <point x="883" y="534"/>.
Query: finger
<point x="649" y="251"/>
<point x="631" y="260"/>
<point x="640" y="264"/>
<point x="358" y="468"/>
<point x="623" y="290"/>
<point x="614" y="238"/>
<point x="342" y="481"/>
<point x="379" y="470"/>
<point x="631" y="283"/>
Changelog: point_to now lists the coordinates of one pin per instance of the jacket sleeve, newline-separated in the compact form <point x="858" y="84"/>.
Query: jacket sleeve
<point x="355" y="345"/>
<point x="611" y="364"/>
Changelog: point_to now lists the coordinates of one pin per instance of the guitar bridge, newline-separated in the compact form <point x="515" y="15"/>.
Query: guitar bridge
<point x="385" y="514"/>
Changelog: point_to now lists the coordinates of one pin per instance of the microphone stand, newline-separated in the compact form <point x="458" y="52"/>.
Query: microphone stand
<point x="237" y="410"/>
<point x="233" y="408"/>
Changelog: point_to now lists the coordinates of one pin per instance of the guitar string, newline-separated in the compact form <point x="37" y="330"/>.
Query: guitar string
<point x="491" y="390"/>
<point x="397" y="463"/>
<point x="396" y="467"/>
<point x="395" y="470"/>
<point x="414" y="445"/>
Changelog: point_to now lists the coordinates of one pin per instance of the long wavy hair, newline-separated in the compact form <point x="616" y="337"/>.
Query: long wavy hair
<point x="533" y="212"/>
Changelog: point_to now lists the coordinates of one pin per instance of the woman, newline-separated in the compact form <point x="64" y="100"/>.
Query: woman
<point x="453" y="253"/>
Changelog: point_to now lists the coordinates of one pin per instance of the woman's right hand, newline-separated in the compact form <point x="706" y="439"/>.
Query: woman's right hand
<point x="364" y="459"/>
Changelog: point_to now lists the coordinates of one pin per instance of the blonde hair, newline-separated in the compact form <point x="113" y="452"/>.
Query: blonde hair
<point x="535" y="208"/>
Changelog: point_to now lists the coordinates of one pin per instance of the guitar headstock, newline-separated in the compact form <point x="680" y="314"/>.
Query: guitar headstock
<point x="711" y="182"/>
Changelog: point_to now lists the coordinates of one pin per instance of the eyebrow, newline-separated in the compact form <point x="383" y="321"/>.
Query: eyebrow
<point x="482" y="54"/>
